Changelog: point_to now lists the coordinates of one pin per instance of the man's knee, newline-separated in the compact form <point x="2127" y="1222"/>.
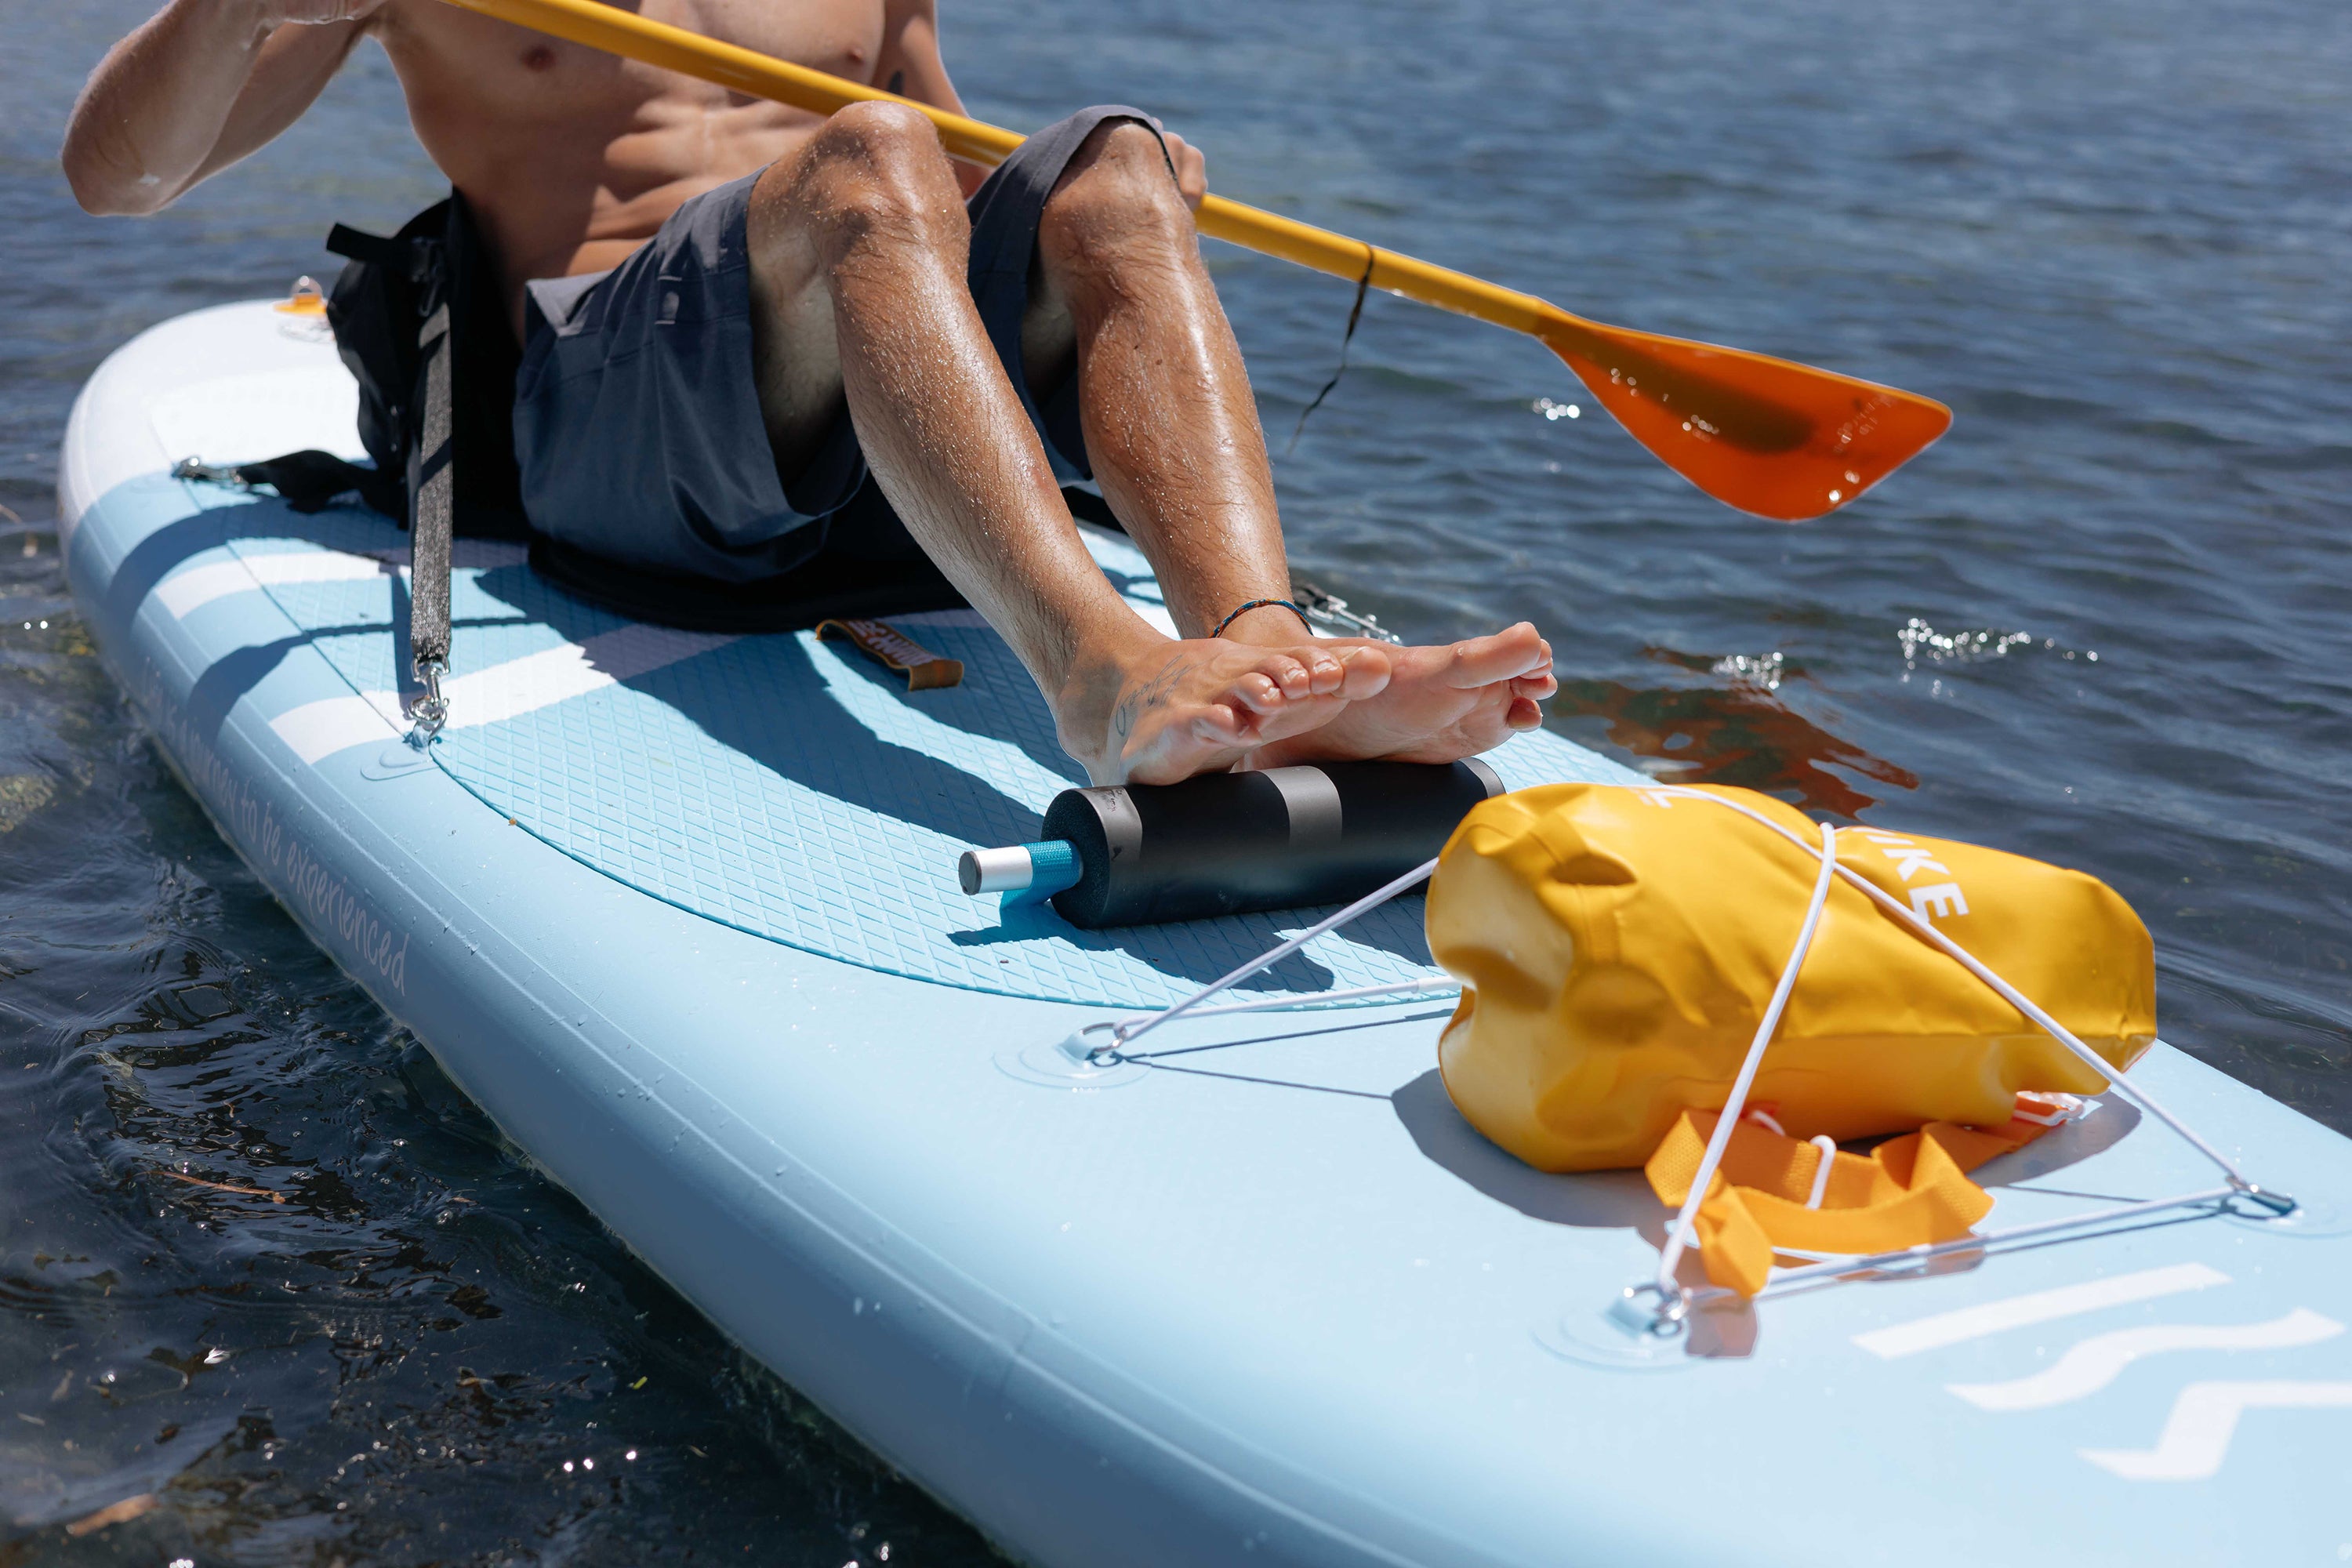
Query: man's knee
<point x="876" y="171"/>
<point x="1117" y="200"/>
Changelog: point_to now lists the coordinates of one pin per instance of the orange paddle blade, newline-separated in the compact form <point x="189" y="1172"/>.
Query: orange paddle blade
<point x="1769" y="436"/>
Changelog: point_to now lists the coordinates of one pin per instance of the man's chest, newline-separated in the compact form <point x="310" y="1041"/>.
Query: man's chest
<point x="841" y="36"/>
<point x="474" y="54"/>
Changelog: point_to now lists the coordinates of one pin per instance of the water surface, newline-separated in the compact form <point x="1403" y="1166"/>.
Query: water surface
<point x="259" y="1261"/>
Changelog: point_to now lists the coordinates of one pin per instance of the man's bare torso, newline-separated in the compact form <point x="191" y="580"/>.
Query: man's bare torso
<point x="570" y="157"/>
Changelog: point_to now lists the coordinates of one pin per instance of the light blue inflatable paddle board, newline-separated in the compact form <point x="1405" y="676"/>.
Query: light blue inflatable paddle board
<point x="680" y="911"/>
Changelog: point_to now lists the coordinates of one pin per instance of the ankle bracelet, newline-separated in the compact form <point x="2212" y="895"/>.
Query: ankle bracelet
<point x="1261" y="605"/>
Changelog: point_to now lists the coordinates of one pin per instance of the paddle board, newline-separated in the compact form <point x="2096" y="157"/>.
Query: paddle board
<point x="680" y="911"/>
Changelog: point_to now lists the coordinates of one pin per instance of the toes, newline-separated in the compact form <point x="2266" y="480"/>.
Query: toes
<point x="1365" y="672"/>
<point x="1508" y="654"/>
<point x="1524" y="714"/>
<point x="1260" y="690"/>
<point x="1290" y="676"/>
<point x="1326" y="673"/>
<point x="1536" y="687"/>
<point x="1312" y="674"/>
<point x="1220" y="724"/>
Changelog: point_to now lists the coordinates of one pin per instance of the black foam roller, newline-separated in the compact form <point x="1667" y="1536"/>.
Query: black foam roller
<point x="1226" y="844"/>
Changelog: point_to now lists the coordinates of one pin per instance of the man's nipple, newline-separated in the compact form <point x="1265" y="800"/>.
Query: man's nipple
<point x="537" y="58"/>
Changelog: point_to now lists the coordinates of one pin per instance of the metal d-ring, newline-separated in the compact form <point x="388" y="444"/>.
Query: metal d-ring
<point x="2279" y="1204"/>
<point x="1105" y="1055"/>
<point x="1670" y="1318"/>
<point x="429" y="712"/>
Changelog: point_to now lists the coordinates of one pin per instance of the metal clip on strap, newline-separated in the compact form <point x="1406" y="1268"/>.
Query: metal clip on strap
<point x="429" y="712"/>
<point x="199" y="472"/>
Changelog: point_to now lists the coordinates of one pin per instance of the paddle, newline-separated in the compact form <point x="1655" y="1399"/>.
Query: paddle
<point x="1767" y="436"/>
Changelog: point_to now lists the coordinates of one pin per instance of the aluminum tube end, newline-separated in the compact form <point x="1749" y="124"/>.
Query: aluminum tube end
<point x="1006" y="870"/>
<point x="1484" y="775"/>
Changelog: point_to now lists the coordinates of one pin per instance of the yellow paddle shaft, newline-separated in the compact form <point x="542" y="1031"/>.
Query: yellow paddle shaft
<point x="602" y="27"/>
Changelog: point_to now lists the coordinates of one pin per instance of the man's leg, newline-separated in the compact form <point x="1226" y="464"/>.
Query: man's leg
<point x="858" y="249"/>
<point x="1121" y="298"/>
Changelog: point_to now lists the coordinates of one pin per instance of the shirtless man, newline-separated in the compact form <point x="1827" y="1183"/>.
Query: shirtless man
<point x="848" y="240"/>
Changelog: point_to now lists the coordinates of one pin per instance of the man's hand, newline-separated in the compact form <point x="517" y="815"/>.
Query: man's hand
<point x="1191" y="169"/>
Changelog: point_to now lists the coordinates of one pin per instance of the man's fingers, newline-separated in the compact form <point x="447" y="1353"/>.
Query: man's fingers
<point x="1191" y="169"/>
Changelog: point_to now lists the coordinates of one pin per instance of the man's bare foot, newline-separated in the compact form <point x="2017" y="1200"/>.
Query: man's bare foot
<point x="1439" y="704"/>
<point x="1165" y="711"/>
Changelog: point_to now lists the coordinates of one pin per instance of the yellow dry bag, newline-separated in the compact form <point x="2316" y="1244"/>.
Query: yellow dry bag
<point x="1617" y="947"/>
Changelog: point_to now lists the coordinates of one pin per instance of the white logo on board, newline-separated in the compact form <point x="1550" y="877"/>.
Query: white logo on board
<point x="2195" y="1436"/>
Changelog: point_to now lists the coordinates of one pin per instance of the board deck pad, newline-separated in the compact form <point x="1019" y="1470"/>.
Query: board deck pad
<point x="791" y="788"/>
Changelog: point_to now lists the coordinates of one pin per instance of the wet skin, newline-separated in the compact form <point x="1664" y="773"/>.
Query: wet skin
<point x="858" y="238"/>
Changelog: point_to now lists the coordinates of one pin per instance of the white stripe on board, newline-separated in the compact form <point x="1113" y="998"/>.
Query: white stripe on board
<point x="503" y="692"/>
<point x="2195" y="1436"/>
<point x="2017" y="1311"/>
<point x="317" y="729"/>
<point x="553" y="675"/>
<point x="191" y="590"/>
<point x="200" y="586"/>
<point x="2090" y="1366"/>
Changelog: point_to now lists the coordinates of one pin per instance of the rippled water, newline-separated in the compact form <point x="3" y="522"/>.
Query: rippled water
<point x="260" y="1263"/>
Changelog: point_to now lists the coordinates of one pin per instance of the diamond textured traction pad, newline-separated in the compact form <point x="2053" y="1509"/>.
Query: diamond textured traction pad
<point x="794" y="790"/>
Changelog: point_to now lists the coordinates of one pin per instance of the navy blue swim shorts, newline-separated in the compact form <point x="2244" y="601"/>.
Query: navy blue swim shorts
<point x="636" y="420"/>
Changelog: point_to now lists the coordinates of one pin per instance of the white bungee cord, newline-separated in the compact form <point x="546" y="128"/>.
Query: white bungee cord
<point x="1127" y="1031"/>
<point x="2002" y="988"/>
<point x="1675" y="1300"/>
<point x="1678" y="1239"/>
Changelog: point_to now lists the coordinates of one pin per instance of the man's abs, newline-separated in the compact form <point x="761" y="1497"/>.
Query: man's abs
<point x="572" y="158"/>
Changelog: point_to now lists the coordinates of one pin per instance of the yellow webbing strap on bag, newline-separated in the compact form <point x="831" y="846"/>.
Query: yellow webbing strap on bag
<point x="1908" y="1192"/>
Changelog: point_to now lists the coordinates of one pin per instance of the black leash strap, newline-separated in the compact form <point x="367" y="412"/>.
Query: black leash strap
<point x="308" y="481"/>
<point x="431" y="482"/>
<point x="1355" y="314"/>
<point x="413" y="259"/>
